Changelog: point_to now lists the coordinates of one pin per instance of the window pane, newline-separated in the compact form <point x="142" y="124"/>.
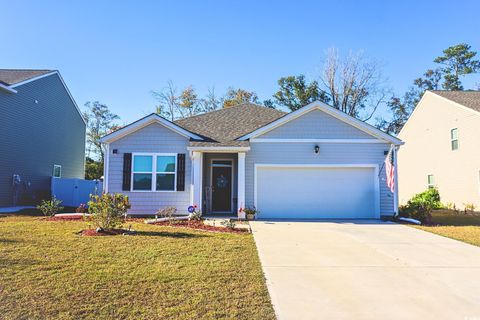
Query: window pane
<point x="166" y="164"/>
<point x="454" y="144"/>
<point x="165" y="181"/>
<point x="454" y="134"/>
<point x="142" y="163"/>
<point x="431" y="180"/>
<point x="142" y="181"/>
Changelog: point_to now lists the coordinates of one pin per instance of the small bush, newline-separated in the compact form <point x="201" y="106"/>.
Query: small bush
<point x="108" y="210"/>
<point x="229" y="223"/>
<point x="50" y="207"/>
<point x="82" y="208"/>
<point x="421" y="205"/>
<point x="195" y="215"/>
<point x="469" y="207"/>
<point x="250" y="213"/>
<point x="167" y="212"/>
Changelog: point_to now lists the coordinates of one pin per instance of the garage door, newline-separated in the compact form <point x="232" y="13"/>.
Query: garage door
<point x="316" y="192"/>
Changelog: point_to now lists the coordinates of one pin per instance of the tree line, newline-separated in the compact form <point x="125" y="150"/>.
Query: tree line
<point x="353" y="84"/>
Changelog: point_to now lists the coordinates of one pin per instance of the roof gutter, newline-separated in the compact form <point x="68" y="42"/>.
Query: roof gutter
<point x="219" y="149"/>
<point x="7" y="88"/>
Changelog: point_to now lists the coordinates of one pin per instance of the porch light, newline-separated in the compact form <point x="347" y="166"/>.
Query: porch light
<point x="316" y="149"/>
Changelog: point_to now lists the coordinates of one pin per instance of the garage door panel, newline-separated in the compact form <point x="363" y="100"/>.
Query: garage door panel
<point x="315" y="192"/>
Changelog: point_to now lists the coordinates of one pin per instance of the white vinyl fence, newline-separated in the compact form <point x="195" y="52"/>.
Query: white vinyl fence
<point x="73" y="192"/>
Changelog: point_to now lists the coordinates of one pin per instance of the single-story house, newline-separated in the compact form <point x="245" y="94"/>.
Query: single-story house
<point x="442" y="148"/>
<point x="315" y="162"/>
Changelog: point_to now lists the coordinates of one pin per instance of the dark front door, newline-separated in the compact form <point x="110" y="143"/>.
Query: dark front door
<point x="221" y="188"/>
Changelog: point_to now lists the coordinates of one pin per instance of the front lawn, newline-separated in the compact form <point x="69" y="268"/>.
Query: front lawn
<point x="459" y="226"/>
<point x="48" y="271"/>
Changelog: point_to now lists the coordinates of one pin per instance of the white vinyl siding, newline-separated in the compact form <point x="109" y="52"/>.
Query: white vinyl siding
<point x="152" y="139"/>
<point x="316" y="124"/>
<point x="330" y="153"/>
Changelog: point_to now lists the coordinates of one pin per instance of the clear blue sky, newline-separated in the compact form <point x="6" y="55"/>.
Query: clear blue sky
<point x="118" y="51"/>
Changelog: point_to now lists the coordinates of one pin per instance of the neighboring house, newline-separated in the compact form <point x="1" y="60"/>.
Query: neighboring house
<point x="442" y="148"/>
<point x="316" y="162"/>
<point x="42" y="132"/>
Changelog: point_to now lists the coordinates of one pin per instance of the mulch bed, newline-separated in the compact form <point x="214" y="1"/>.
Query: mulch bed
<point x="66" y="218"/>
<point x="198" y="225"/>
<point x="94" y="233"/>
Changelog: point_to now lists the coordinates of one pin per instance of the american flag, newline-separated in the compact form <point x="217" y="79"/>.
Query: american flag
<point x="390" y="170"/>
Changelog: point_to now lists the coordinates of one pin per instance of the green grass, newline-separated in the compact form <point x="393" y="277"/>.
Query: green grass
<point x="47" y="271"/>
<point x="459" y="226"/>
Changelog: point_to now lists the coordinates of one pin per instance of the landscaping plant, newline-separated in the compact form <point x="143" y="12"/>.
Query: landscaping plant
<point x="421" y="205"/>
<point x="108" y="210"/>
<point x="229" y="223"/>
<point x="50" y="207"/>
<point x="196" y="215"/>
<point x="250" y="213"/>
<point x="167" y="213"/>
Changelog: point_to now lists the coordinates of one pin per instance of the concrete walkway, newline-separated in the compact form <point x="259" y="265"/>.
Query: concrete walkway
<point x="367" y="270"/>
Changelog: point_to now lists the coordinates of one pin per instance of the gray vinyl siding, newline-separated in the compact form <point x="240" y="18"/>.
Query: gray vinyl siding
<point x="154" y="138"/>
<point x="330" y="153"/>
<point x="35" y="136"/>
<point x="316" y="124"/>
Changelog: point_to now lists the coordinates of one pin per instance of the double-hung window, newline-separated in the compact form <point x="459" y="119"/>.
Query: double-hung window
<point x="430" y="181"/>
<point x="454" y="138"/>
<point x="154" y="172"/>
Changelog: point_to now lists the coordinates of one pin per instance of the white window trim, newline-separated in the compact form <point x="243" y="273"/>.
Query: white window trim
<point x="451" y="140"/>
<point x="54" y="167"/>
<point x="154" y="171"/>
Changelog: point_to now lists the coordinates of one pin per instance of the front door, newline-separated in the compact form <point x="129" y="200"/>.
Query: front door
<point x="222" y="186"/>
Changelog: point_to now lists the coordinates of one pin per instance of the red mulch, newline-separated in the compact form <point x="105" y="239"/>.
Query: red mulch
<point x="198" y="225"/>
<point x="65" y="218"/>
<point x="94" y="233"/>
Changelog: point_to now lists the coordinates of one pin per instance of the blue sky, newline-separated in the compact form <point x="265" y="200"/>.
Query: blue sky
<point x="118" y="51"/>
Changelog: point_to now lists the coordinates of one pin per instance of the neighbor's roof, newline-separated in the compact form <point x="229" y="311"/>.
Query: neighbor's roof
<point x="13" y="76"/>
<point x="224" y="126"/>
<point x="469" y="99"/>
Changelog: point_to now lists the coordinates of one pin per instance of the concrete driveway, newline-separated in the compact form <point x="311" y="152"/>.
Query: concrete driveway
<point x="367" y="270"/>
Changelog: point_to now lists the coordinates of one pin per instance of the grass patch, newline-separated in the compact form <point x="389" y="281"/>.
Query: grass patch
<point x="47" y="271"/>
<point x="459" y="226"/>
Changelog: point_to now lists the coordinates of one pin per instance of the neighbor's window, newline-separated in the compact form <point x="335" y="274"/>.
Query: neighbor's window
<point x="454" y="138"/>
<point x="154" y="172"/>
<point x="57" y="171"/>
<point x="431" y="181"/>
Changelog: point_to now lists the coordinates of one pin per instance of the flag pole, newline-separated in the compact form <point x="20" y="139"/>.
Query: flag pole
<point x="395" y="194"/>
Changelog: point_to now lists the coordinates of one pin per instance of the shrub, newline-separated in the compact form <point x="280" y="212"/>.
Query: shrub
<point x="195" y="215"/>
<point x="167" y="212"/>
<point x="50" y="207"/>
<point x="421" y="205"/>
<point x="469" y="207"/>
<point x="82" y="208"/>
<point x="108" y="210"/>
<point x="229" y="223"/>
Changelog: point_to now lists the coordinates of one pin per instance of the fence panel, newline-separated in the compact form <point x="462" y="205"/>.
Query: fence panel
<point x="73" y="192"/>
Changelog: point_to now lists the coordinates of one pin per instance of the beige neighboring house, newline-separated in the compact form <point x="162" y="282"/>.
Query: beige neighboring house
<point x="442" y="148"/>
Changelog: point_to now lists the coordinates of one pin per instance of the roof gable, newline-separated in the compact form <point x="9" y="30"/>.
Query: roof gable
<point x="12" y="77"/>
<point x="316" y="124"/>
<point x="145" y="121"/>
<point x="317" y="105"/>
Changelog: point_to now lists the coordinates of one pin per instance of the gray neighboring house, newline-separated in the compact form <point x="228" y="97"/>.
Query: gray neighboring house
<point x="315" y="162"/>
<point x="42" y="135"/>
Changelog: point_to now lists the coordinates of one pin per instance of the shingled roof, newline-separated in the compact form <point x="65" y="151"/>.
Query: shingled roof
<point x="13" y="76"/>
<point x="469" y="99"/>
<point x="222" y="127"/>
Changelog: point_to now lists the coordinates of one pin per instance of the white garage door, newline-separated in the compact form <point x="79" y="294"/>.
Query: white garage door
<point x="316" y="192"/>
